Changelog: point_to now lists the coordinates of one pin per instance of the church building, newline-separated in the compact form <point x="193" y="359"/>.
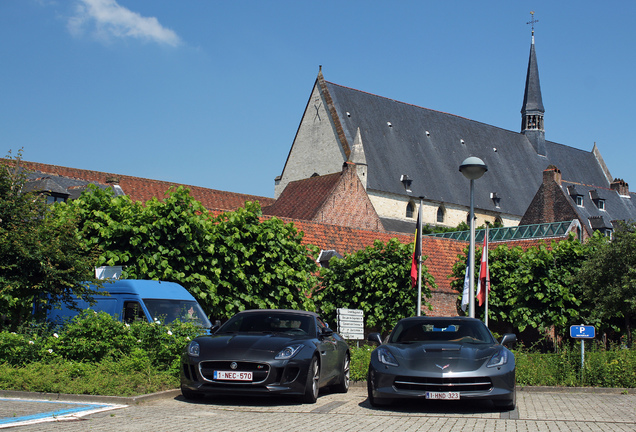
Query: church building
<point x="402" y="152"/>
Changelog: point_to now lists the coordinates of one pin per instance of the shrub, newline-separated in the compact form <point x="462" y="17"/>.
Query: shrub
<point x="360" y="358"/>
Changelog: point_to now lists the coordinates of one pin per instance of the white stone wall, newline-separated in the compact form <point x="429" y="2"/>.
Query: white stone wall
<point x="316" y="148"/>
<point x="394" y="207"/>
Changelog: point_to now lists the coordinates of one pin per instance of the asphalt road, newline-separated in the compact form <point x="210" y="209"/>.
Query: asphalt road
<point x="537" y="410"/>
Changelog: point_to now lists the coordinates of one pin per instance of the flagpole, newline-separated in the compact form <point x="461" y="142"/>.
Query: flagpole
<point x="471" y="255"/>
<point x="487" y="287"/>
<point x="419" y="263"/>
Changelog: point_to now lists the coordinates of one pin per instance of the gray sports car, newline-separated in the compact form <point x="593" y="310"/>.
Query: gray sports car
<point x="261" y="352"/>
<point x="443" y="359"/>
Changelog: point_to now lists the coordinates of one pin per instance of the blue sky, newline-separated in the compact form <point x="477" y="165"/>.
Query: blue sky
<point x="211" y="93"/>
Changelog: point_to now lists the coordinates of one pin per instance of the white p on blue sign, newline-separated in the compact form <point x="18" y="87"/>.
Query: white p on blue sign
<point x="582" y="332"/>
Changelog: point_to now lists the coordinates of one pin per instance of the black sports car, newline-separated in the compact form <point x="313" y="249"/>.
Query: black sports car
<point x="263" y="352"/>
<point x="442" y="358"/>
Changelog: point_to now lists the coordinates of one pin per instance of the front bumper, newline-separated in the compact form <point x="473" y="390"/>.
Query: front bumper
<point x="386" y="382"/>
<point x="285" y="377"/>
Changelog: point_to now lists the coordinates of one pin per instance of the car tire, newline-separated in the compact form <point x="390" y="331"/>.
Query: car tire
<point x="345" y="376"/>
<point x="190" y="394"/>
<point x="375" y="401"/>
<point x="312" y="383"/>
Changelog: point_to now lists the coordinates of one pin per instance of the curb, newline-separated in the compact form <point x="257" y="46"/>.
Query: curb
<point x="135" y="400"/>
<point x="115" y="400"/>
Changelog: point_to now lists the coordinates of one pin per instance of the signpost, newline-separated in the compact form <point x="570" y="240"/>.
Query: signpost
<point x="351" y="323"/>
<point x="582" y="332"/>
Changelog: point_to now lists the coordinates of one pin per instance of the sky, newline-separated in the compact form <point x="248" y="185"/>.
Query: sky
<point x="211" y="93"/>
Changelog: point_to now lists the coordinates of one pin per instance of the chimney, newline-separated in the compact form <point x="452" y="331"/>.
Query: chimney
<point x="550" y="174"/>
<point x="620" y="186"/>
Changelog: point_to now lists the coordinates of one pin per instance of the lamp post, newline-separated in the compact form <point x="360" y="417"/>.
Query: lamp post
<point x="472" y="168"/>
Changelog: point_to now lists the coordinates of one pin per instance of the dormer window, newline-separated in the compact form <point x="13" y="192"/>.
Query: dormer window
<point x="600" y="204"/>
<point x="597" y="199"/>
<point x="54" y="197"/>
<point x="579" y="200"/>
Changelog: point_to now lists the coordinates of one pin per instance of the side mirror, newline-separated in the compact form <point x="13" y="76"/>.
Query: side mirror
<point x="326" y="331"/>
<point x="375" y="338"/>
<point x="508" y="339"/>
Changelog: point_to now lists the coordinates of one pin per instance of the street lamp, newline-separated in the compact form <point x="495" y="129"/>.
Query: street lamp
<point x="472" y="168"/>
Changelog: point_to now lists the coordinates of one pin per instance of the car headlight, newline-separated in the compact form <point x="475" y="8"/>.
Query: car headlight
<point x="385" y="357"/>
<point x="288" y="352"/>
<point x="499" y="358"/>
<point x="194" y="349"/>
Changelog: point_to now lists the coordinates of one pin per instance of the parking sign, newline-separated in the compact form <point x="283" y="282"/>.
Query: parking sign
<point x="582" y="332"/>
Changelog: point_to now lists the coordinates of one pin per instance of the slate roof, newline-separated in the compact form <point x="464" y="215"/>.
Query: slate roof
<point x="616" y="207"/>
<point x="141" y="189"/>
<point x="429" y="146"/>
<point x="532" y="100"/>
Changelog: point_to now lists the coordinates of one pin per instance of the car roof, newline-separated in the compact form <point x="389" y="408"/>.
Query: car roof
<point x="433" y="318"/>
<point x="290" y="311"/>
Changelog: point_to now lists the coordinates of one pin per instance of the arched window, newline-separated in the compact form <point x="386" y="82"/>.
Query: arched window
<point x="410" y="209"/>
<point x="440" y="214"/>
<point x="498" y="222"/>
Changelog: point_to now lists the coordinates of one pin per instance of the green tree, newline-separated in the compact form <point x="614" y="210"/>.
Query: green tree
<point x="261" y="264"/>
<point x="41" y="259"/>
<point x="608" y="281"/>
<point x="532" y="288"/>
<point x="229" y="263"/>
<point x="375" y="280"/>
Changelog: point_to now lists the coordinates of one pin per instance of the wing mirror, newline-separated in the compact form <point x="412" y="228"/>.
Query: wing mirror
<point x="375" y="338"/>
<point x="508" y="339"/>
<point x="326" y="331"/>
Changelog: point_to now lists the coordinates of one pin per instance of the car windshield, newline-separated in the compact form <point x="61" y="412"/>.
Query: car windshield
<point x="410" y="331"/>
<point x="165" y="311"/>
<point x="273" y="322"/>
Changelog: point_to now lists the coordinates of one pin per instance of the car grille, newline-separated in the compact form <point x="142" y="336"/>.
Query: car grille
<point x="465" y="384"/>
<point x="260" y="371"/>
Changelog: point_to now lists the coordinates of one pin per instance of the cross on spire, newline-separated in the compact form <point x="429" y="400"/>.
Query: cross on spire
<point x="532" y="22"/>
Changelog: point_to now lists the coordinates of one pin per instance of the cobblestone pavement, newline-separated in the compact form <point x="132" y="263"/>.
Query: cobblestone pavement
<point x="536" y="411"/>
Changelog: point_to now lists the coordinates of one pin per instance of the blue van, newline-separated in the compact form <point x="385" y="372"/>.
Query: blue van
<point x="130" y="300"/>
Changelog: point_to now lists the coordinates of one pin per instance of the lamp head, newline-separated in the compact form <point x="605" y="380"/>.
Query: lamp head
<point x="473" y="168"/>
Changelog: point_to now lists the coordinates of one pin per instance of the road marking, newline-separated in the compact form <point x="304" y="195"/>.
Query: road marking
<point x="74" y="412"/>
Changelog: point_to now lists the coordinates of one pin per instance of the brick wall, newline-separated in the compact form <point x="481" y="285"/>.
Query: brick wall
<point x="349" y="205"/>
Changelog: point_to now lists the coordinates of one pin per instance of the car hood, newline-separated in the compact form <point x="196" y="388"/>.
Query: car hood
<point x="443" y="357"/>
<point x="242" y="346"/>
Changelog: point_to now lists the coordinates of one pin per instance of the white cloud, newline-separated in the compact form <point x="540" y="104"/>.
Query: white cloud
<point x="107" y="19"/>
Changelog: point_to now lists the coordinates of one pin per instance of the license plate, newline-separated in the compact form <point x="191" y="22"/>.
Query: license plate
<point x="443" y="395"/>
<point x="232" y="376"/>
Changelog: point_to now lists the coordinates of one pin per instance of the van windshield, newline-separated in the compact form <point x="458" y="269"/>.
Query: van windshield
<point x="166" y="311"/>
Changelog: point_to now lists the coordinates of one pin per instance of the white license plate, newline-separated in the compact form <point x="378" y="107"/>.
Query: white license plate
<point x="232" y="376"/>
<point x="443" y="395"/>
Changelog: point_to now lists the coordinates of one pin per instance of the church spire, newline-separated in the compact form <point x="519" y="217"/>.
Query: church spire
<point x="532" y="110"/>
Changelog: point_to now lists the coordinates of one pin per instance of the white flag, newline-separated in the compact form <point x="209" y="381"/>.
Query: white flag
<point x="466" y="294"/>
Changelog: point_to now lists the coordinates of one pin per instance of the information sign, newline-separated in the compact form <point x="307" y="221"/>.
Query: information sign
<point x="351" y="323"/>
